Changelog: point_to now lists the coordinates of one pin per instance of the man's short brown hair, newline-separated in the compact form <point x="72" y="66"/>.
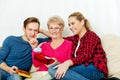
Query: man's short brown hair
<point x="30" y="20"/>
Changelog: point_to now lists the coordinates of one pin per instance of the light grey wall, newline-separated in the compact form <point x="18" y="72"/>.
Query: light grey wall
<point x="102" y="14"/>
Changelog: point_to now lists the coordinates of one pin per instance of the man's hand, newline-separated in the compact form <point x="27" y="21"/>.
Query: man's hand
<point x="13" y="70"/>
<point x="33" y="42"/>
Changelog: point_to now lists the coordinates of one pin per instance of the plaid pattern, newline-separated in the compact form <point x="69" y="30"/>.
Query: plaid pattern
<point x="89" y="51"/>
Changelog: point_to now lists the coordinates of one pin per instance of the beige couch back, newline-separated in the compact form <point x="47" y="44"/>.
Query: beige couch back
<point x="111" y="45"/>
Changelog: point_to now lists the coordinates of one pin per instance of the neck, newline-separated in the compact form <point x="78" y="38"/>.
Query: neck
<point x="83" y="31"/>
<point x="57" y="40"/>
<point x="25" y="38"/>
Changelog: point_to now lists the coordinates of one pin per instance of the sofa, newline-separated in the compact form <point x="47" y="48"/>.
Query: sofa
<point x="111" y="45"/>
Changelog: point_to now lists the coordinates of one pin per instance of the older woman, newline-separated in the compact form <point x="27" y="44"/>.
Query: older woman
<point x="57" y="47"/>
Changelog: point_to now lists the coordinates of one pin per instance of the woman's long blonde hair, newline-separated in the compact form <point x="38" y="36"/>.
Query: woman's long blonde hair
<point x="80" y="17"/>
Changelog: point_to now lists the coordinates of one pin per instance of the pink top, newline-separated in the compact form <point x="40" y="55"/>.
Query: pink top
<point x="61" y="53"/>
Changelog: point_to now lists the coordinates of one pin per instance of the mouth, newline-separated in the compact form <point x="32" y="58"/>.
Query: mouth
<point x="54" y="35"/>
<point x="73" y="31"/>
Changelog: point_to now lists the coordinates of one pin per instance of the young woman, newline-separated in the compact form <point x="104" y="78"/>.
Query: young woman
<point x="89" y="59"/>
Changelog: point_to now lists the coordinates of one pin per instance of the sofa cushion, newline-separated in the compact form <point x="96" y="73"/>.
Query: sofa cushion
<point x="111" y="45"/>
<point x="38" y="75"/>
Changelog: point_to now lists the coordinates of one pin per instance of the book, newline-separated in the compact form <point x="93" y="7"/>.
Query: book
<point x="24" y="73"/>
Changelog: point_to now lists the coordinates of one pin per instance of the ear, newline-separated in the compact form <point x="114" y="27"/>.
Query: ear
<point x="82" y="22"/>
<point x="62" y="28"/>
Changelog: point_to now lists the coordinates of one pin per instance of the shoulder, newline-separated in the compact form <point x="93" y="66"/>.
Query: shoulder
<point x="71" y="38"/>
<point x="67" y="41"/>
<point x="10" y="38"/>
<point x="92" y="35"/>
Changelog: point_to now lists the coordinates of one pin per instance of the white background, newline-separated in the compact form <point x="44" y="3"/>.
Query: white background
<point x="104" y="15"/>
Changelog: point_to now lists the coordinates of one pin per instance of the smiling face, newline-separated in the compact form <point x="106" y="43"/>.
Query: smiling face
<point x="55" y="26"/>
<point x="75" y="25"/>
<point x="55" y="30"/>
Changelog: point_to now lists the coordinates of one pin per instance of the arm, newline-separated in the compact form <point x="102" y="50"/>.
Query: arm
<point x="45" y="32"/>
<point x="4" y="52"/>
<point x="5" y="67"/>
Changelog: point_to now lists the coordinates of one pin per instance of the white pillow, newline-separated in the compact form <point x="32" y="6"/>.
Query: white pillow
<point x="111" y="45"/>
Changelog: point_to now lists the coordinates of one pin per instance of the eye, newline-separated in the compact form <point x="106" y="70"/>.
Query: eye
<point x="36" y="30"/>
<point x="30" y="29"/>
<point x="68" y="24"/>
<point x="50" y="28"/>
<point x="72" y="23"/>
<point x="57" y="28"/>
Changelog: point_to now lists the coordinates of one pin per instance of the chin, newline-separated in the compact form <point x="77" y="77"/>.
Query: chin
<point x="74" y="33"/>
<point x="54" y="37"/>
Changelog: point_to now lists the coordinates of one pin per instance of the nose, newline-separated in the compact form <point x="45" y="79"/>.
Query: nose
<point x="70" y="26"/>
<point x="32" y="33"/>
<point x="53" y="31"/>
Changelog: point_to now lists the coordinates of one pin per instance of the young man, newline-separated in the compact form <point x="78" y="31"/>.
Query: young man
<point x="16" y="50"/>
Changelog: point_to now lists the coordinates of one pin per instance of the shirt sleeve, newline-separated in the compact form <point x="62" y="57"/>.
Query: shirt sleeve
<point x="40" y="40"/>
<point x="4" y="51"/>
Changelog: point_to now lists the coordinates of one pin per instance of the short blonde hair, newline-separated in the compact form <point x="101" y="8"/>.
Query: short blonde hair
<point x="56" y="19"/>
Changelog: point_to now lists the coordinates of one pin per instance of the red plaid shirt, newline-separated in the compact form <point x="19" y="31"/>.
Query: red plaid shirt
<point x="89" y="51"/>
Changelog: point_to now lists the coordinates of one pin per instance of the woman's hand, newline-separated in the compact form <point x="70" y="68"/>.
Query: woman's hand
<point x="62" y="69"/>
